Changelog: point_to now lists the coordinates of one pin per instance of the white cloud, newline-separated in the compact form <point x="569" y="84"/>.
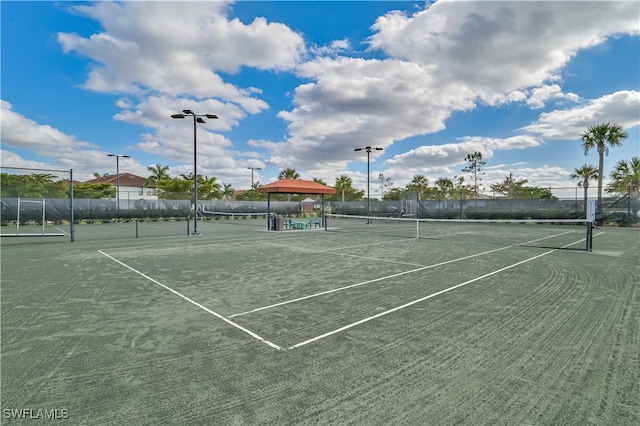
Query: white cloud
<point x="442" y="60"/>
<point x="334" y="48"/>
<point x="540" y="95"/>
<point x="622" y="107"/>
<point x="44" y="140"/>
<point x="441" y="158"/>
<point x="178" y="48"/>
<point x="496" y="47"/>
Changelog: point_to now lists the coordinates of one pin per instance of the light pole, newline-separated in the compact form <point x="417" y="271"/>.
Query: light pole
<point x="197" y="118"/>
<point x="118" y="157"/>
<point x="368" y="149"/>
<point x="253" y="192"/>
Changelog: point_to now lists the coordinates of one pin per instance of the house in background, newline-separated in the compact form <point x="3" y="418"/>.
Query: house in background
<point x="133" y="189"/>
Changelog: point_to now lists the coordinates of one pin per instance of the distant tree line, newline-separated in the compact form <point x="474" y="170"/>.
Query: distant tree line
<point x="625" y="180"/>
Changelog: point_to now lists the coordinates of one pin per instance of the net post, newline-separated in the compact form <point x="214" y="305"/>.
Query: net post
<point x="188" y="233"/>
<point x="72" y="226"/>
<point x="18" y="218"/>
<point x="136" y="228"/>
<point x="591" y="218"/>
<point x="43" y="217"/>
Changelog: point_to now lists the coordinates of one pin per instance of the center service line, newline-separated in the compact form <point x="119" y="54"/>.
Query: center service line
<point x="397" y="308"/>
<point x="204" y="308"/>
<point x="322" y="293"/>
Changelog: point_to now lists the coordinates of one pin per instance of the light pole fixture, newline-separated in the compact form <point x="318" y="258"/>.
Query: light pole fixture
<point x="118" y="157"/>
<point x="253" y="193"/>
<point x="197" y="118"/>
<point x="368" y="149"/>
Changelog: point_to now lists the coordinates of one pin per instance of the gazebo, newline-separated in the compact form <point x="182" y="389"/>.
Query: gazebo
<point x="294" y="186"/>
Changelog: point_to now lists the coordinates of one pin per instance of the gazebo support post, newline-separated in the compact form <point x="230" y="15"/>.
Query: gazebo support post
<point x="322" y="208"/>
<point x="269" y="212"/>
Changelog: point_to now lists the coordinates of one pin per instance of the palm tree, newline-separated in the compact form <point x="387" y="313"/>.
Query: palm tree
<point x="158" y="173"/>
<point x="586" y="173"/>
<point x="227" y="191"/>
<point x="418" y="184"/>
<point x="289" y="174"/>
<point x="343" y="184"/>
<point x="626" y="177"/>
<point x="445" y="187"/>
<point x="601" y="137"/>
<point x="209" y="187"/>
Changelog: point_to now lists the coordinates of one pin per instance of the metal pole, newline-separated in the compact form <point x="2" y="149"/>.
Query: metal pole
<point x="195" y="180"/>
<point x="197" y="118"/>
<point x="629" y="206"/>
<point x="368" y="196"/>
<point x="72" y="230"/>
<point x="118" y="188"/>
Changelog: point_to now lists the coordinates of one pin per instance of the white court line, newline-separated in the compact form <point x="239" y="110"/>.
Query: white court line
<point x="422" y="299"/>
<point x="227" y="242"/>
<point x="215" y="314"/>
<point x="339" y="249"/>
<point x="63" y="231"/>
<point x="322" y="293"/>
<point x="391" y="276"/>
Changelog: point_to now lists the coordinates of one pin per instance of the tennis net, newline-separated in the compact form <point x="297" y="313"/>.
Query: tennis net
<point x="232" y="218"/>
<point x="560" y="233"/>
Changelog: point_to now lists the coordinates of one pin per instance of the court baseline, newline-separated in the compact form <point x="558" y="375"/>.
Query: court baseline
<point x="193" y="302"/>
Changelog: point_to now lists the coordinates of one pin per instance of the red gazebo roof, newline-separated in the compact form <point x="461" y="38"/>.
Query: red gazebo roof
<point x="296" y="186"/>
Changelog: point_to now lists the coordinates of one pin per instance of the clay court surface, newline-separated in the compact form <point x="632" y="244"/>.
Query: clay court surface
<point x="244" y="326"/>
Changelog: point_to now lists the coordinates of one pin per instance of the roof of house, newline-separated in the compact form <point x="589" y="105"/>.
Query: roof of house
<point x="126" y="179"/>
<point x="296" y="186"/>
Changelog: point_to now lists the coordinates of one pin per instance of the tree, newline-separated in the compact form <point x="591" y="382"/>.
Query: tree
<point x="98" y="175"/>
<point x="585" y="173"/>
<point x="510" y="187"/>
<point x="344" y="186"/>
<point x="288" y="174"/>
<point x="320" y="181"/>
<point x="94" y="190"/>
<point x="227" y="191"/>
<point x="418" y="184"/>
<point x="601" y="137"/>
<point x="175" y="188"/>
<point x="626" y="177"/>
<point x="209" y="188"/>
<point x="474" y="168"/>
<point x="35" y="185"/>
<point x="460" y="190"/>
<point x="343" y="183"/>
<point x="394" y="194"/>
<point x="158" y="173"/>
<point x="444" y="187"/>
<point x="385" y="184"/>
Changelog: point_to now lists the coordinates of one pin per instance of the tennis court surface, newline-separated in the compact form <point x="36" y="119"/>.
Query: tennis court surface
<point x="244" y="326"/>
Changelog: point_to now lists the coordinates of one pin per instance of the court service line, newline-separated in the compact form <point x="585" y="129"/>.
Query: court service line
<point x="422" y="299"/>
<point x="322" y="293"/>
<point x="193" y="302"/>
<point x="339" y="250"/>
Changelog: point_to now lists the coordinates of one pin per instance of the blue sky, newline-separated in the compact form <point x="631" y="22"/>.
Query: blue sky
<point x="300" y="84"/>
